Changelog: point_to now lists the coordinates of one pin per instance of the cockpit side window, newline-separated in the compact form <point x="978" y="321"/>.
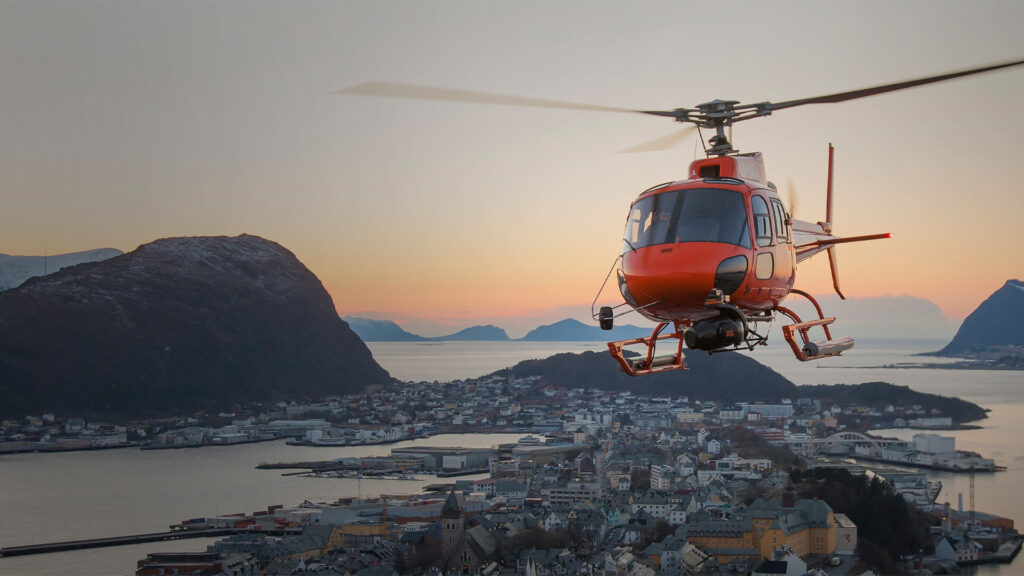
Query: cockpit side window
<point x="762" y="220"/>
<point x="700" y="215"/>
<point x="780" y="221"/>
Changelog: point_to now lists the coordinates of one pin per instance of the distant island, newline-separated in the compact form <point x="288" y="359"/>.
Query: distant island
<point x="371" y="330"/>
<point x="732" y="378"/>
<point x="568" y="330"/>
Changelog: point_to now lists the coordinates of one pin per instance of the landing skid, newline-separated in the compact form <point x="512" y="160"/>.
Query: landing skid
<point x="808" y="349"/>
<point x="649" y="363"/>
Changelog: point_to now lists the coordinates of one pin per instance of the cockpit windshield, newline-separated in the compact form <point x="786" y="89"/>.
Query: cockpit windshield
<point x="700" y="215"/>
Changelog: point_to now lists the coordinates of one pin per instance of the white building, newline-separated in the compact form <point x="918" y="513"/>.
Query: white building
<point x="934" y="444"/>
<point x="770" y="411"/>
<point x="662" y="477"/>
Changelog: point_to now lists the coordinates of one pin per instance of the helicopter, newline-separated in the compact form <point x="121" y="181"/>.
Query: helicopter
<point x="710" y="258"/>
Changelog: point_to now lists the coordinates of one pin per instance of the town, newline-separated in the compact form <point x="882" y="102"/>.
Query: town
<point x="602" y="482"/>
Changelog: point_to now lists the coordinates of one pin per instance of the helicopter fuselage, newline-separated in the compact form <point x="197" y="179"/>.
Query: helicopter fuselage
<point x="724" y="227"/>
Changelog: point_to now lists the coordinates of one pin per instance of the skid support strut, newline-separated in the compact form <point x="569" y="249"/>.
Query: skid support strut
<point x="807" y="349"/>
<point x="649" y="363"/>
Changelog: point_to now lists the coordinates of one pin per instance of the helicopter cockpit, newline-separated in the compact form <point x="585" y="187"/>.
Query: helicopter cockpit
<point x="694" y="215"/>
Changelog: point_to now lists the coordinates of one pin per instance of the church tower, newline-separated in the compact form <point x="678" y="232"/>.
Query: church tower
<point x="452" y="529"/>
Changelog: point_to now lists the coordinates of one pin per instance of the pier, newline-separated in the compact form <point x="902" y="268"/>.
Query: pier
<point x="132" y="539"/>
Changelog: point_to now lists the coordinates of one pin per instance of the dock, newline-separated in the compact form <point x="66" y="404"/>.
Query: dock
<point x="131" y="539"/>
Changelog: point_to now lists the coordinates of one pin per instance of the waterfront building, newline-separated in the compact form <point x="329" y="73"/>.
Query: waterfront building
<point x="198" y="564"/>
<point x="934" y="444"/>
<point x="436" y="458"/>
<point x="296" y="428"/>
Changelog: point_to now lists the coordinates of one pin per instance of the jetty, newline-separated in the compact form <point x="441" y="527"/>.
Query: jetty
<point x="133" y="539"/>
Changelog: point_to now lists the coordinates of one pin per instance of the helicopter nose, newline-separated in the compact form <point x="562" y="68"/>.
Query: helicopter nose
<point x="672" y="280"/>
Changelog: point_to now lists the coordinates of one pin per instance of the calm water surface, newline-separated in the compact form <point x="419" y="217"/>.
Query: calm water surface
<point x="77" y="495"/>
<point x="53" y="497"/>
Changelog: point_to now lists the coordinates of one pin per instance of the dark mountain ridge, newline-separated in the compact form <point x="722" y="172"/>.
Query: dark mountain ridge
<point x="177" y="325"/>
<point x="995" y="328"/>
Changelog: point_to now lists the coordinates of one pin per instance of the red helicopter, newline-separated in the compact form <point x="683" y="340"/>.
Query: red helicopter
<point x="712" y="256"/>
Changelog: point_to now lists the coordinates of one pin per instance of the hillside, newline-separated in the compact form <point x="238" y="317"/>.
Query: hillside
<point x="727" y="377"/>
<point x="178" y="325"/>
<point x="878" y="395"/>
<point x="995" y="330"/>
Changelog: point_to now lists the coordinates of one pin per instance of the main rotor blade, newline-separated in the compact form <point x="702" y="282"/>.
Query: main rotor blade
<point x="398" y="90"/>
<point x="843" y="96"/>
<point x="663" y="143"/>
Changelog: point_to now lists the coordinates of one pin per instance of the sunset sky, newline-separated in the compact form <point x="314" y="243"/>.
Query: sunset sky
<point x="125" y="122"/>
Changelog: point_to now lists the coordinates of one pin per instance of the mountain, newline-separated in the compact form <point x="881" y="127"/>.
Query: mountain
<point x="727" y="377"/>
<point x="995" y="328"/>
<point x="177" y="325"/>
<point x="881" y="318"/>
<point x="16" y="269"/>
<point x="370" y="330"/>
<point x="487" y="333"/>
<point x="570" y="330"/>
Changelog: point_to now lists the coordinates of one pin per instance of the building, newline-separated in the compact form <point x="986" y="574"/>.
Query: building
<point x="808" y="527"/>
<point x="198" y="564"/>
<point x="463" y="550"/>
<point x="769" y="411"/>
<point x="662" y="477"/>
<point x="846" y="535"/>
<point x="934" y="444"/>
<point x="804" y="526"/>
<point x="574" y="492"/>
